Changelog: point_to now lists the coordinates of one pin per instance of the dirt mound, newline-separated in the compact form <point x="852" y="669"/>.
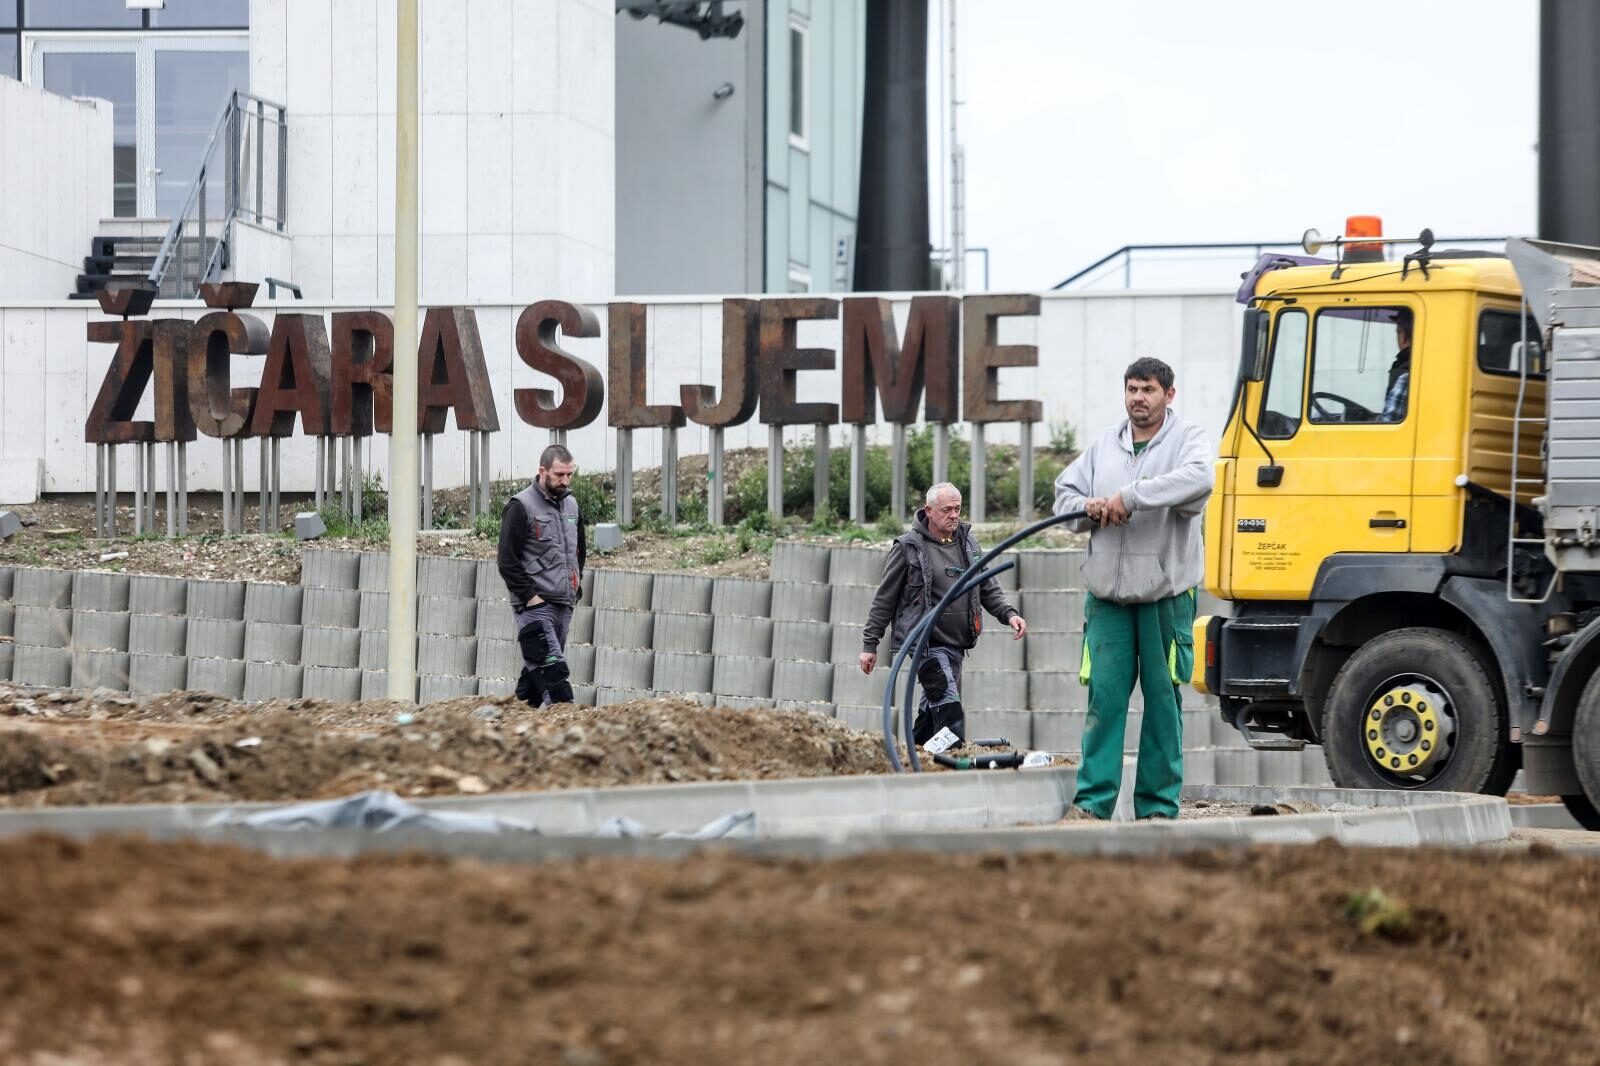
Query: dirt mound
<point x="64" y="749"/>
<point x="132" y="953"/>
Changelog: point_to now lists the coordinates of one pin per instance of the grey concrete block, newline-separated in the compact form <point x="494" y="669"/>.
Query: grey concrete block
<point x="583" y="695"/>
<point x="374" y="610"/>
<point x="586" y="587"/>
<point x="1059" y="730"/>
<point x="10" y="525"/>
<point x="330" y="568"/>
<point x="100" y="630"/>
<point x="331" y="682"/>
<point x="1053" y="649"/>
<point x="448" y="616"/>
<point x="794" y="560"/>
<point x="1007" y="578"/>
<point x="43" y="627"/>
<point x="1199" y="766"/>
<point x="851" y="686"/>
<point x="623" y="589"/>
<point x="607" y="537"/>
<point x="329" y="647"/>
<point x="683" y="632"/>
<point x="216" y="599"/>
<point x="504" y="686"/>
<point x="96" y="591"/>
<point x="42" y="667"/>
<point x="624" y="668"/>
<point x="582" y="629"/>
<point x="8" y="583"/>
<point x="678" y="672"/>
<point x="432" y="687"/>
<point x="866" y="719"/>
<point x="736" y="635"/>
<point x="846" y="644"/>
<point x="1052" y="610"/>
<point x="580" y="661"/>
<point x="1044" y="569"/>
<point x="372" y="572"/>
<point x="158" y="595"/>
<point x="855" y="565"/>
<point x="742" y="596"/>
<point x="1236" y="767"/>
<point x="374" y="650"/>
<point x="375" y="685"/>
<point x="271" y="681"/>
<point x="810" y="642"/>
<point x="273" y="603"/>
<point x="801" y="681"/>
<point x="1056" y="690"/>
<point x="605" y="696"/>
<point x="340" y="608"/>
<point x="157" y="673"/>
<point x="269" y="642"/>
<point x="1280" y="768"/>
<point x="36" y="587"/>
<point x="214" y="638"/>
<point x="743" y="703"/>
<point x="487" y="584"/>
<point x="100" y="669"/>
<point x="157" y="634"/>
<point x="1314" y="766"/>
<point x="681" y="594"/>
<point x="988" y="724"/>
<point x="1197" y="727"/>
<point x="8" y="619"/>
<point x="1130" y="736"/>
<point x="793" y="600"/>
<point x="309" y="525"/>
<point x="438" y="575"/>
<point x="617" y="628"/>
<point x="495" y="621"/>
<point x="500" y="658"/>
<point x="1003" y="689"/>
<point x="742" y="675"/>
<point x="998" y="649"/>
<point x="447" y="656"/>
<point x="224" y="677"/>
<point x="8" y="657"/>
<point x="851" y="603"/>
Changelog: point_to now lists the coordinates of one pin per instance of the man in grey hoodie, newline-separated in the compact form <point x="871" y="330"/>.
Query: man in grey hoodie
<point x="921" y="567"/>
<point x="1144" y="484"/>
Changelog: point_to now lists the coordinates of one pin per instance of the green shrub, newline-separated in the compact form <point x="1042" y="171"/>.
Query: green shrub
<point x="596" y="501"/>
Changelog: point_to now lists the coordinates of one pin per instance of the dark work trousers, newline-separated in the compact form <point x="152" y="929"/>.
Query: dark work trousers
<point x="939" y="670"/>
<point x="542" y="633"/>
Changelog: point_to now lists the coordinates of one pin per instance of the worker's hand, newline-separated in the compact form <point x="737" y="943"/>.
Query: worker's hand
<point x="1018" y="627"/>
<point x="536" y="601"/>
<point x="1094" y="507"/>
<point x="1116" y="512"/>
<point x="868" y="661"/>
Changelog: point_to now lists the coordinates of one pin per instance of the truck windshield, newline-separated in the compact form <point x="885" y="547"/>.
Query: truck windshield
<point x="1361" y="365"/>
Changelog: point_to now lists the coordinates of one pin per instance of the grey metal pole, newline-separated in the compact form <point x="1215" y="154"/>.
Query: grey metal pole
<point x="897" y="475"/>
<point x="980" y="474"/>
<point x="941" y="452"/>
<point x="277" y="484"/>
<point x="172" y="489"/>
<point x="150" y="486"/>
<point x="625" y="477"/>
<point x="183" y="488"/>
<point x="716" y="477"/>
<point x="261" y="153"/>
<point x="263" y="490"/>
<point x="138" y="488"/>
<point x="486" y="492"/>
<point x="472" y="477"/>
<point x="427" y="480"/>
<point x="858" y="475"/>
<point x="775" y="471"/>
<point x="111" y="490"/>
<point x="669" y="475"/>
<point x="238" y="484"/>
<point x="100" y="490"/>
<point x="227" y="485"/>
<point x="358" y="479"/>
<point x="1025" y="472"/>
<point x="820" y="488"/>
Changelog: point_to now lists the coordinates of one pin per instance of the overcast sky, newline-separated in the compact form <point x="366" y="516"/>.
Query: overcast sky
<point x="1090" y="125"/>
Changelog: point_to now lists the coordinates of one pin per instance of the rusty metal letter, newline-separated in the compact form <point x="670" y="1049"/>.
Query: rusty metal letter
<point x="582" y="390"/>
<point x="171" y="342"/>
<point x="110" y="418"/>
<point x="295" y="379"/>
<point x="741" y="340"/>
<point x="982" y="356"/>
<point x="363" y="386"/>
<point x="781" y="361"/>
<point x="626" y="407"/>
<point x="451" y="373"/>
<point x="217" y="337"/>
<point x="875" y="360"/>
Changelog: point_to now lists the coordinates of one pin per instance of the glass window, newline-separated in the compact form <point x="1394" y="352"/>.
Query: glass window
<point x="799" y="84"/>
<point x="1286" y="378"/>
<point x="203" y="14"/>
<point x="8" y="55"/>
<point x="8" y="15"/>
<point x="190" y="90"/>
<point x="1499" y="333"/>
<point x="109" y="76"/>
<point x="81" y="15"/>
<point x="1361" y="365"/>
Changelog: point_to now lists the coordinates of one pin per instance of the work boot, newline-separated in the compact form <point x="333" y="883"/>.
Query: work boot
<point x="1078" y="814"/>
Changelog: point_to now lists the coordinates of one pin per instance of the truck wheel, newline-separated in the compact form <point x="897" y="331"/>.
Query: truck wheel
<point x="1582" y="811"/>
<point x="1586" y="755"/>
<point x="1417" y="709"/>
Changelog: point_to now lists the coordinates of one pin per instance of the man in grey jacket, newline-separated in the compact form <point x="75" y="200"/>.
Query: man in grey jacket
<point x="1144" y="484"/>
<point x="541" y="557"/>
<point x="921" y="567"/>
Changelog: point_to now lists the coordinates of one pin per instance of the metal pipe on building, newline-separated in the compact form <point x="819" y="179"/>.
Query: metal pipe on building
<point x="1569" y="121"/>
<point x="892" y="247"/>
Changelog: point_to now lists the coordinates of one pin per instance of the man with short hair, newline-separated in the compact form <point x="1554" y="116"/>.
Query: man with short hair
<point x="541" y="558"/>
<point x="1144" y="484"/>
<point x="921" y="567"/>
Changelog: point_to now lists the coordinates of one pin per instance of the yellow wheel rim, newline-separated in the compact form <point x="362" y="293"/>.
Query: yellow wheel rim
<point x="1406" y="731"/>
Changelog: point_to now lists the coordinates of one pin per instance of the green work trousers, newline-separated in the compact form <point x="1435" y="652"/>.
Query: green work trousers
<point x="1154" y="644"/>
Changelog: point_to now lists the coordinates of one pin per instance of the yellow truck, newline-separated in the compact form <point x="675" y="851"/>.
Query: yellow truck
<point x="1407" y="518"/>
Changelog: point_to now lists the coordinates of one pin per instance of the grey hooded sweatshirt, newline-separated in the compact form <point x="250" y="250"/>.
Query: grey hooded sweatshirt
<point x="1159" y="552"/>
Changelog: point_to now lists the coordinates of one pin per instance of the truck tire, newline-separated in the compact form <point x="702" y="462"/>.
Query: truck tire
<point x="1586" y="755"/>
<point x="1414" y="709"/>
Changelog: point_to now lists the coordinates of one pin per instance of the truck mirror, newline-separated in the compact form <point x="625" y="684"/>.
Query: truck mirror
<point x="1253" y="346"/>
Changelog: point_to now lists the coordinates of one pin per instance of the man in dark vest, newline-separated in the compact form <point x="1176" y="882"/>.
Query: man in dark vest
<point x="921" y="567"/>
<point x="542" y="552"/>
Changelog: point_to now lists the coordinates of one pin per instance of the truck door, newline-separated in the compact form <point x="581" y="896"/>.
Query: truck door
<point x="1337" y="413"/>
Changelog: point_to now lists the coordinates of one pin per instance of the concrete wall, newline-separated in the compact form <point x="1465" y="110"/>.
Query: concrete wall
<point x="260" y="252"/>
<point x="49" y="375"/>
<point x="55" y="184"/>
<point x="516" y="146"/>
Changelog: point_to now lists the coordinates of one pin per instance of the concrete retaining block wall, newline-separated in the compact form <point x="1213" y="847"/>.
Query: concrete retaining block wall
<point x="742" y="675"/>
<point x="624" y="668"/>
<point x="331" y="682"/>
<point x="327" y="647"/>
<point x="857" y="716"/>
<point x="439" y="575"/>
<point x="374" y="610"/>
<point x="331" y="607"/>
<point x="617" y="628"/>
<point x="801" y="681"/>
<point x="269" y="642"/>
<point x="793" y="600"/>
<point x="683" y="632"/>
<point x="999" y="689"/>
<point x="681" y="594"/>
<point x="224" y="677"/>
<point x="281" y="604"/>
<point x="1052" y="610"/>
<point x="374" y="650"/>
<point x="856" y="566"/>
<point x="997" y="649"/>
<point x="623" y="589"/>
<point x="330" y="568"/>
<point x="36" y="587"/>
<point x="793" y="560"/>
<point x="1314" y="766"/>
<point x="8" y="653"/>
<point x="804" y="641"/>
<point x="1059" y="730"/>
<point x="846" y="644"/>
<point x="825" y="710"/>
<point x="157" y="673"/>
<point x="1015" y="726"/>
<point x="447" y="656"/>
<point x="608" y="697"/>
<point x="8" y="582"/>
<point x="851" y="686"/>
<point x="96" y="591"/>
<point x="447" y="616"/>
<point x="1055" y="690"/>
<point x="505" y="686"/>
<point x="1199" y="766"/>
<point x="1279" y="768"/>
<point x="495" y="621"/>
<point x="100" y="630"/>
<point x="1052" y="649"/>
<point x="741" y="596"/>
<point x="215" y="638"/>
<point x="500" y="658"/>
<point x="216" y="599"/>
<point x="158" y="595"/>
<point x="44" y="667"/>
<point x="1050" y="569"/>
<point x="851" y="603"/>
<point x="8" y="619"/>
<point x="374" y="684"/>
<point x="487" y="583"/>
<point x="677" y="672"/>
<point x="157" y="634"/>
<point x="1236" y="767"/>
<point x="432" y="687"/>
<point x="582" y="629"/>
<point x="744" y="703"/>
<point x="580" y="661"/>
<point x="100" y="669"/>
<point x="271" y="681"/>
<point x="373" y="572"/>
<point x="43" y="627"/>
<point x="738" y="635"/>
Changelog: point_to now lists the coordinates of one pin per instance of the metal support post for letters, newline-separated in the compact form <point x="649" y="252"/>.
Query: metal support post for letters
<point x="344" y="476"/>
<point x="150" y="487"/>
<point x="183" y="488"/>
<point x="897" y="475"/>
<point x="669" y="475"/>
<point x="111" y="490"/>
<point x="980" y="475"/>
<point x="858" y="475"/>
<point x="358" y="476"/>
<point x="819" y="481"/>
<point x="472" y="477"/>
<point x="172" y="489"/>
<point x="558" y="436"/>
<point x="427" y="480"/>
<point x="227" y="485"/>
<point x="238" y="483"/>
<point x="625" y="477"/>
<point x="277" y="484"/>
<point x="100" y="490"/>
<point x="486" y="490"/>
<point x="138" y="488"/>
<point x="263" y="488"/>
<point x="716" y="477"/>
<point x="941" y="452"/>
<point x="1025" y="472"/>
<point x="775" y="471"/>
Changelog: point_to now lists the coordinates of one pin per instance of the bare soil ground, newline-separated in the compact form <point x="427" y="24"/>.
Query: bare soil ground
<point x="129" y="952"/>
